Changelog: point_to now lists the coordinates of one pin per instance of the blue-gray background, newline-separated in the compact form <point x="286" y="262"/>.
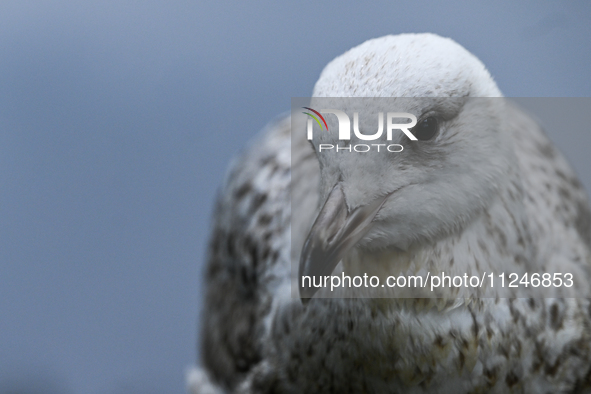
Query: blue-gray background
<point x="117" y="120"/>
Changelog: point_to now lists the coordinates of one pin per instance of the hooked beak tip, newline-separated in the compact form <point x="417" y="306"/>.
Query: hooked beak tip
<point x="334" y="232"/>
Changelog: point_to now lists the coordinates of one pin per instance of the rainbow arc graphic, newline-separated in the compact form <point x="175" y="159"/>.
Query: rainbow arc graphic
<point x="315" y="118"/>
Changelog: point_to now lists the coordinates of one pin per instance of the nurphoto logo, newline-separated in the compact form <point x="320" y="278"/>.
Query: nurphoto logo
<point x="344" y="129"/>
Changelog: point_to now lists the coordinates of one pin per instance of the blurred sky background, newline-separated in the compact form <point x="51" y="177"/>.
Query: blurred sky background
<point x="118" y="119"/>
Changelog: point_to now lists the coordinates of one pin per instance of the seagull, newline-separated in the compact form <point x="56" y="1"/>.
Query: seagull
<point x="484" y="190"/>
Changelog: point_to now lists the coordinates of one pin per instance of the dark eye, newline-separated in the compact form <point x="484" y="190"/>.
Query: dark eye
<point x="425" y="129"/>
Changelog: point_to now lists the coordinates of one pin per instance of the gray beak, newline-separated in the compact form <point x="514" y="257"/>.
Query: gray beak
<point x="333" y="234"/>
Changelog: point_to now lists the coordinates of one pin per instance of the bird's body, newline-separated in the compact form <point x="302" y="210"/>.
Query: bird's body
<point x="515" y="208"/>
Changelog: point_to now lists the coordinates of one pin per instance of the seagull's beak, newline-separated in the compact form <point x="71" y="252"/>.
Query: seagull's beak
<point x="334" y="233"/>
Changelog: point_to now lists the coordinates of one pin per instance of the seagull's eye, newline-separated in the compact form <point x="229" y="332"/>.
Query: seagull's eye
<point x="426" y="128"/>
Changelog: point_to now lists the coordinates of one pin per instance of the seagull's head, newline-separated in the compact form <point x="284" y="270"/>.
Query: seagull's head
<point x="436" y="185"/>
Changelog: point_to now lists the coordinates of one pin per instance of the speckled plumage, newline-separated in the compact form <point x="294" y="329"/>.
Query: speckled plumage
<point x="517" y="207"/>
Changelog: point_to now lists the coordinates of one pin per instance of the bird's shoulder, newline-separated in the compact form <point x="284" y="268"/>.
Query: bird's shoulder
<point x="548" y="179"/>
<point x="555" y="202"/>
<point x="248" y="267"/>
